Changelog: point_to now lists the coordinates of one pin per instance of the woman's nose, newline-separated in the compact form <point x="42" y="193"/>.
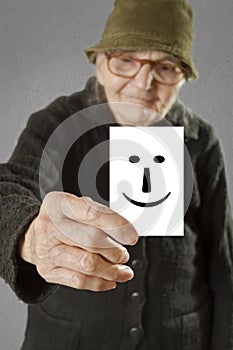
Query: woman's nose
<point x="146" y="186"/>
<point x="142" y="77"/>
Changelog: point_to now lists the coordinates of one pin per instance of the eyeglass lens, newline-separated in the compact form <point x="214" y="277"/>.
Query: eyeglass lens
<point x="163" y="71"/>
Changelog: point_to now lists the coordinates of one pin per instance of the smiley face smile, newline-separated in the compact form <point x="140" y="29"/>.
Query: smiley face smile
<point x="149" y="204"/>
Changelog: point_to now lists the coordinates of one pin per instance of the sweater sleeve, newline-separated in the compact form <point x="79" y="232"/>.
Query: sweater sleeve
<point x="216" y="219"/>
<point x="20" y="202"/>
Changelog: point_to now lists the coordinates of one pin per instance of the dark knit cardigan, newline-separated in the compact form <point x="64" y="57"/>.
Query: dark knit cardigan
<point x="181" y="297"/>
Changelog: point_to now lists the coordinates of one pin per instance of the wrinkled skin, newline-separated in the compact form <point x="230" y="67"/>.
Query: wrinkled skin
<point x="70" y="243"/>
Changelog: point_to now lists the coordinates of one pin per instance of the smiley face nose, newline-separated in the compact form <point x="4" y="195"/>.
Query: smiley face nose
<point x="146" y="186"/>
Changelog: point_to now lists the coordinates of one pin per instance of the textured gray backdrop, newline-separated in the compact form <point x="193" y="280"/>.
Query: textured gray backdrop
<point x="42" y="57"/>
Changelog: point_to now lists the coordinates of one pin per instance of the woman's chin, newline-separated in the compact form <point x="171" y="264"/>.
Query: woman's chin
<point x="134" y="114"/>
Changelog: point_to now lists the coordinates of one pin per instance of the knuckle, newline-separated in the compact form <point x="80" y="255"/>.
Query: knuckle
<point x="56" y="251"/>
<point x="91" y="212"/>
<point x="43" y="239"/>
<point x="39" y="251"/>
<point x="117" y="254"/>
<point x="48" y="279"/>
<point x="114" y="272"/>
<point x="100" y="285"/>
<point x="89" y="262"/>
<point x="78" y="282"/>
<point x="94" y="236"/>
<point x="42" y="225"/>
<point x="44" y="271"/>
<point x="41" y="248"/>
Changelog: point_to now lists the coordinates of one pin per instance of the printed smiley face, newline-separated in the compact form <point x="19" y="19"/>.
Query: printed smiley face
<point x="146" y="186"/>
<point x="146" y="178"/>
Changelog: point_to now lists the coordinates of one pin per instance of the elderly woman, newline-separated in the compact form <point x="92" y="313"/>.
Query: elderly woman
<point x="56" y="254"/>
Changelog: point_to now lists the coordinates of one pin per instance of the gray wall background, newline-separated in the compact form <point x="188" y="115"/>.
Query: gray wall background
<point x="42" y="57"/>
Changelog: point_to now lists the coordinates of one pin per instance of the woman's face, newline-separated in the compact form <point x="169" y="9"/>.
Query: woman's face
<point x="141" y="89"/>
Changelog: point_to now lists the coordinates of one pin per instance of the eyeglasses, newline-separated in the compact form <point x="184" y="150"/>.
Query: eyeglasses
<point x="163" y="71"/>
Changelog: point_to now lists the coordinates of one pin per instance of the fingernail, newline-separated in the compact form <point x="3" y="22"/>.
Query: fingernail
<point x="130" y="238"/>
<point x="125" y="256"/>
<point x="114" y="286"/>
<point x="127" y="270"/>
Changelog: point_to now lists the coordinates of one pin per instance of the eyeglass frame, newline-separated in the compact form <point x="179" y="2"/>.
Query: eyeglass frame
<point x="184" y="70"/>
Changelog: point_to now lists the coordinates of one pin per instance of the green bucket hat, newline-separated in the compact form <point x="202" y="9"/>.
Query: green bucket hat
<point x="160" y="25"/>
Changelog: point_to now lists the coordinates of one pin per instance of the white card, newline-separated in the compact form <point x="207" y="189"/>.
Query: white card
<point x="147" y="178"/>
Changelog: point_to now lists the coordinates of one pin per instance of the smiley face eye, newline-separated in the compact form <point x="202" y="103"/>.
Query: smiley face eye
<point x="159" y="159"/>
<point x="134" y="159"/>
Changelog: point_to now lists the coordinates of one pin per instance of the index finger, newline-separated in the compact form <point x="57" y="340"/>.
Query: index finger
<point x="86" y="210"/>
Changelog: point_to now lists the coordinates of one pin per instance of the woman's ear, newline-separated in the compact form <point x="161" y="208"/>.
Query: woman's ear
<point x="100" y="63"/>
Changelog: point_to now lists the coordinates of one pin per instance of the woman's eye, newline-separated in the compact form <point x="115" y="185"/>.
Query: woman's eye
<point x="169" y="68"/>
<point x="126" y="60"/>
<point x="166" y="67"/>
